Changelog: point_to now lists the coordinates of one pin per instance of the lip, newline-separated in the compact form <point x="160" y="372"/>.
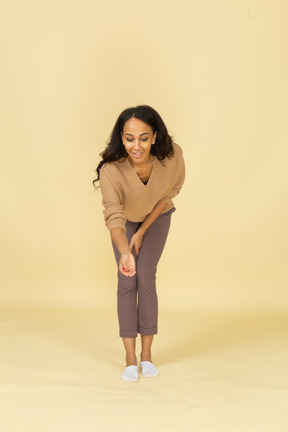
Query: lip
<point x="137" y="155"/>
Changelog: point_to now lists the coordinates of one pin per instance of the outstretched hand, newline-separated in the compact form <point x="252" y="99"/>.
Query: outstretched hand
<point x="136" y="241"/>
<point x="127" y="264"/>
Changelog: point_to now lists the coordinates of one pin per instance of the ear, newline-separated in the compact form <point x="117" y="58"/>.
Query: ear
<point x="154" y="137"/>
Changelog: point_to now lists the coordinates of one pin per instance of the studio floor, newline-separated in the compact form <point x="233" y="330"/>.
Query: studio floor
<point x="60" y="371"/>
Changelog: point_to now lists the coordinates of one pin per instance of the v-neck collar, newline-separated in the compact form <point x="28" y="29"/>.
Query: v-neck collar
<point x="152" y="170"/>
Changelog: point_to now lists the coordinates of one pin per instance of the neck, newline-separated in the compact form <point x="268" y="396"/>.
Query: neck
<point x="142" y="165"/>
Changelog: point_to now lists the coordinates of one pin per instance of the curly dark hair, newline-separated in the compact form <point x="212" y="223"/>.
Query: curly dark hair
<point x="115" y="149"/>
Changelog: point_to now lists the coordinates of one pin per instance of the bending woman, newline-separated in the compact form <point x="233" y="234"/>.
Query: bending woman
<point x="141" y="170"/>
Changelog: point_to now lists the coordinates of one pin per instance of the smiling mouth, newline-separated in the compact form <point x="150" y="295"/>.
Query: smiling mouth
<point x="137" y="154"/>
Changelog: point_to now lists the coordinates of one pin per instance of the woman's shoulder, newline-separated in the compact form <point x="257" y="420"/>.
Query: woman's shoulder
<point x="113" y="168"/>
<point x="177" y="149"/>
<point x="177" y="156"/>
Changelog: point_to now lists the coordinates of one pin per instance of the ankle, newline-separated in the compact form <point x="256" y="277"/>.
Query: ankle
<point x="146" y="356"/>
<point x="131" y="361"/>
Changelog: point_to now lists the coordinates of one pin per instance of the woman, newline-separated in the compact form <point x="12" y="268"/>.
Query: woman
<point x="141" y="170"/>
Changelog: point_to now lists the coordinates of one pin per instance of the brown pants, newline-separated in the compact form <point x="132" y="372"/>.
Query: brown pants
<point x="142" y="317"/>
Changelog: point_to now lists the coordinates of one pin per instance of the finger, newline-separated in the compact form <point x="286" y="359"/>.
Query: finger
<point x="131" y="270"/>
<point x="127" y="271"/>
<point x="132" y="243"/>
<point x="122" y="269"/>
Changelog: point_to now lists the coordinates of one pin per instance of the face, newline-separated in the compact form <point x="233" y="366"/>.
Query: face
<point x="138" y="138"/>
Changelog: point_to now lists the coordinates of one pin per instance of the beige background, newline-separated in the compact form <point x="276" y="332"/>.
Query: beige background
<point x="217" y="73"/>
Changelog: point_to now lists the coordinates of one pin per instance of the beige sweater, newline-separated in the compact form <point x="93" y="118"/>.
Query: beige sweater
<point x="126" y="197"/>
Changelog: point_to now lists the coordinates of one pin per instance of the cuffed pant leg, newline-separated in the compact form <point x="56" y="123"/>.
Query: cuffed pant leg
<point x="151" y="250"/>
<point x="127" y="293"/>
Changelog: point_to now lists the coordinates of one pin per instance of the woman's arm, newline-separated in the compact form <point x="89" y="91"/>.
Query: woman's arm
<point x="126" y="262"/>
<point x="136" y="239"/>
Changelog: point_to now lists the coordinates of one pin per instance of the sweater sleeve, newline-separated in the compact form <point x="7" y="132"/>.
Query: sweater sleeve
<point x="179" y="177"/>
<point x="114" y="214"/>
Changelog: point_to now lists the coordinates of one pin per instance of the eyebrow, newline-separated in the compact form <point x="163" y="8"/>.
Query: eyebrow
<point x="144" y="133"/>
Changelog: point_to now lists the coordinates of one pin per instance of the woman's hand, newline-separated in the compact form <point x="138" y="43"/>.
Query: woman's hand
<point x="127" y="264"/>
<point x="136" y="241"/>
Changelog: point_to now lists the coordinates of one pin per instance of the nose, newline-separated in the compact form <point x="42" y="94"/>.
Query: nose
<point x="136" y="143"/>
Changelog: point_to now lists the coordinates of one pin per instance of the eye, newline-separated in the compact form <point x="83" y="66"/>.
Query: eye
<point x="129" y="139"/>
<point x="144" y="139"/>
